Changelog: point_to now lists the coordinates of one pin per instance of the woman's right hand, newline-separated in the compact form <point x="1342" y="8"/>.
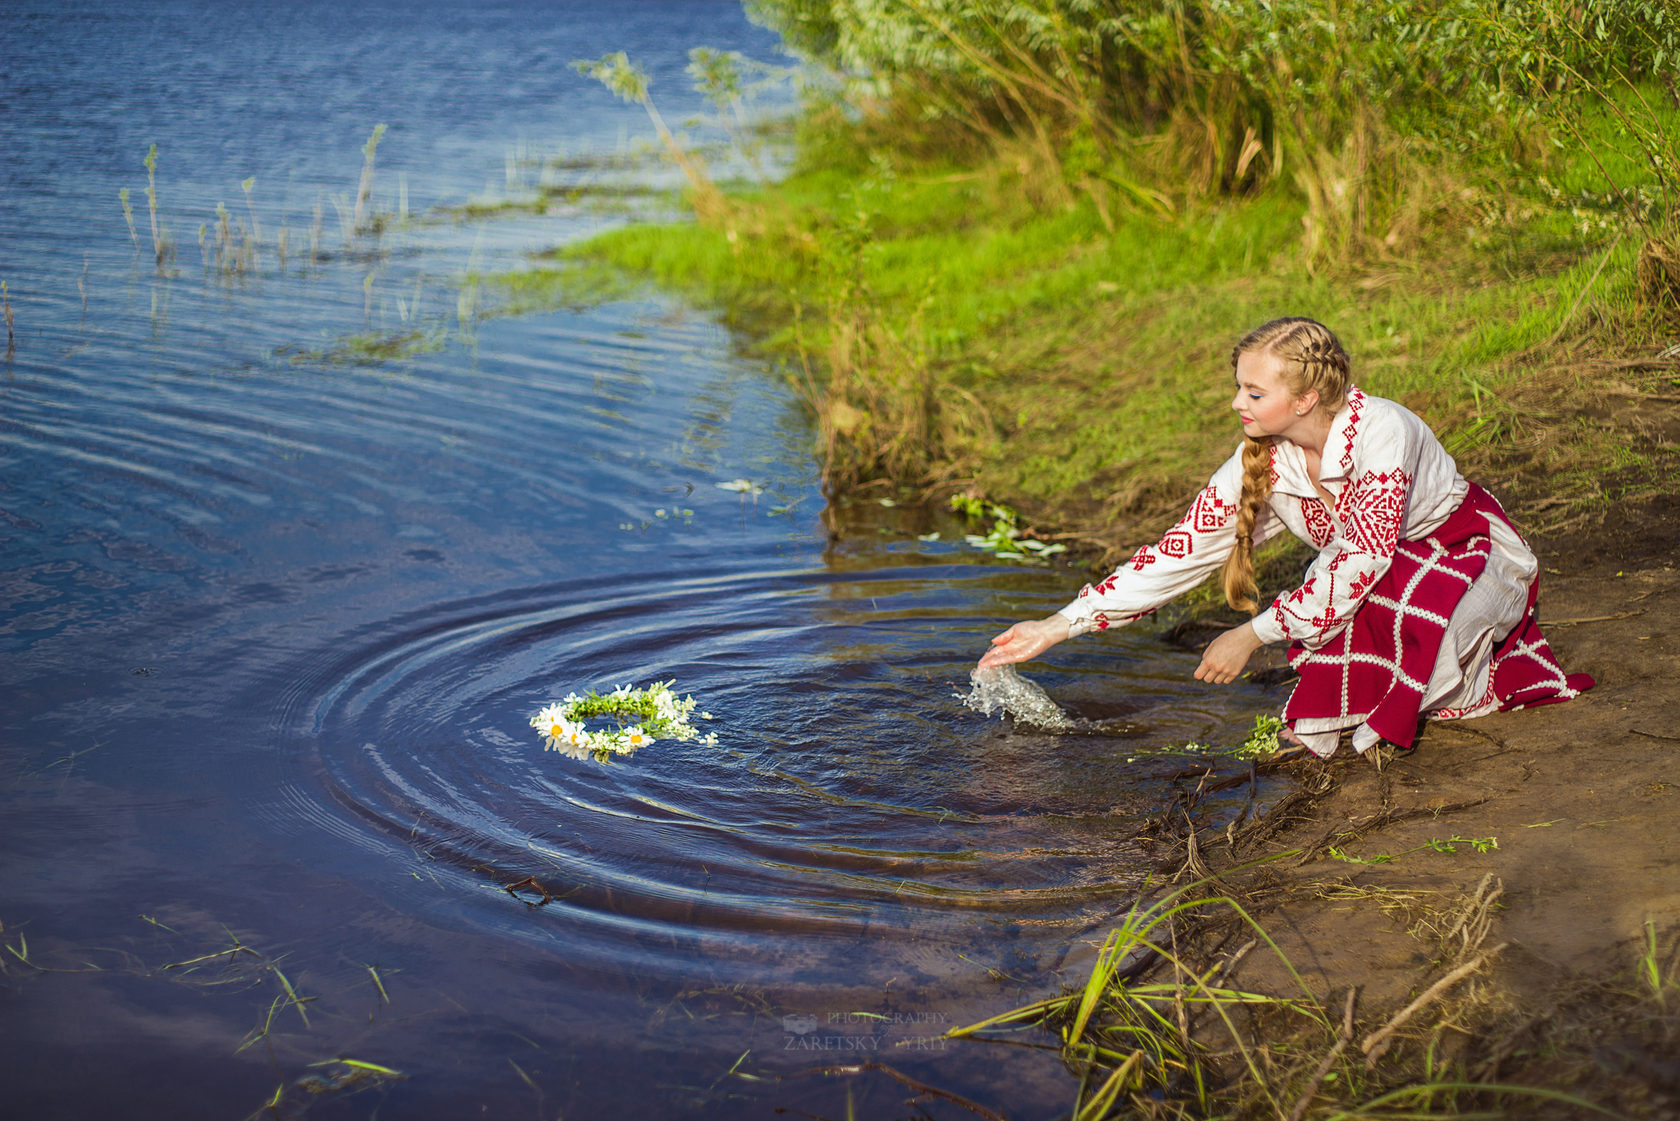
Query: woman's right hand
<point x="1026" y="639"/>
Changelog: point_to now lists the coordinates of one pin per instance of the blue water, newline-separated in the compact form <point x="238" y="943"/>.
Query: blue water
<point x="294" y="544"/>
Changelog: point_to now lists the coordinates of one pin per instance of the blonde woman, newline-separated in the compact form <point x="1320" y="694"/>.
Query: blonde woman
<point x="1421" y="601"/>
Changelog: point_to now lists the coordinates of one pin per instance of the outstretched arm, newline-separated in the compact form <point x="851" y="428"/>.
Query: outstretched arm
<point x="1026" y="639"/>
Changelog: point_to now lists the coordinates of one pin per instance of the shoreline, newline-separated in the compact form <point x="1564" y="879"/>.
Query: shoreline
<point x="1503" y="895"/>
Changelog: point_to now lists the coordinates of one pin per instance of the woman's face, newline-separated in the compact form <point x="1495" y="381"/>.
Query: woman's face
<point x="1263" y="399"/>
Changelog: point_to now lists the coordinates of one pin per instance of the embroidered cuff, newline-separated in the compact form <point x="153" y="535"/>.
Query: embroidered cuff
<point x="1078" y="621"/>
<point x="1266" y="626"/>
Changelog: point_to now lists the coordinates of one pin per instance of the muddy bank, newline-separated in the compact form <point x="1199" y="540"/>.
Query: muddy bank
<point x="1509" y="871"/>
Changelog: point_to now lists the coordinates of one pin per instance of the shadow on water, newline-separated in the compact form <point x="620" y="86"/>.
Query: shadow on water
<point x="291" y="558"/>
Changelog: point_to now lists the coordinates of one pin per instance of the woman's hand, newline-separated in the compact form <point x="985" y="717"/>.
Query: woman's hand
<point x="1225" y="656"/>
<point x="1026" y="639"/>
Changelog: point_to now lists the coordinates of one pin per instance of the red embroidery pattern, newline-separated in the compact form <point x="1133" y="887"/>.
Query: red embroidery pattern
<point x="1176" y="543"/>
<point x="1319" y="525"/>
<point x="1209" y="512"/>
<point x="1355" y="402"/>
<point x="1373" y="508"/>
<point x="1144" y="557"/>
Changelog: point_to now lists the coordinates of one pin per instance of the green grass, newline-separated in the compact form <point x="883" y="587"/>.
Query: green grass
<point x="1080" y="372"/>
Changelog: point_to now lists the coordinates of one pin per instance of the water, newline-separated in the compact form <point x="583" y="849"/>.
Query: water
<point x="1003" y="691"/>
<point x="292" y="553"/>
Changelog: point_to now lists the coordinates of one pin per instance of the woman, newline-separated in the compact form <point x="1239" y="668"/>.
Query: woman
<point x="1421" y="600"/>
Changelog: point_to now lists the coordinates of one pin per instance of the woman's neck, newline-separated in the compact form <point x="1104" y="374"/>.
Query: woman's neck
<point x="1310" y="432"/>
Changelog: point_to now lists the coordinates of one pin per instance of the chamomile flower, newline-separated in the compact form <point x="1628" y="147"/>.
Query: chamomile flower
<point x="659" y="714"/>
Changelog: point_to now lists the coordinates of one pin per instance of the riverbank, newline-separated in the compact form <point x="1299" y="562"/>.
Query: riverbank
<point x="1505" y="892"/>
<point x="954" y="336"/>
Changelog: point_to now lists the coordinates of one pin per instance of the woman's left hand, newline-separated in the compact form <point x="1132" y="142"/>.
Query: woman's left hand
<point x="1225" y="656"/>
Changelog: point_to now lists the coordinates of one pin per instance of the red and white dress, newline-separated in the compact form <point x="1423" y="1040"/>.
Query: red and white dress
<point x="1421" y="600"/>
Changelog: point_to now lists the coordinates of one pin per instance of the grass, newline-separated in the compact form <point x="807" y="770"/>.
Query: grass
<point x="1159" y="1027"/>
<point x="1038" y="357"/>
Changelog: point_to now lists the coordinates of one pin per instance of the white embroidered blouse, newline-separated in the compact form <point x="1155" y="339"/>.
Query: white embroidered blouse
<point x="1391" y="480"/>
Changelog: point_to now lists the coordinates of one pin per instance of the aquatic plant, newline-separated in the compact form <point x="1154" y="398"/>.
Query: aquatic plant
<point x="1004" y="538"/>
<point x="255" y="238"/>
<point x="128" y="216"/>
<point x="1263" y="740"/>
<point x="364" y="187"/>
<point x="1434" y="844"/>
<point x="161" y="247"/>
<point x="6" y="304"/>
<point x="617" y="73"/>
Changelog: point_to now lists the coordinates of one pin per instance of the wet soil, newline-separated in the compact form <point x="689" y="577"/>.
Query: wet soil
<point x="1583" y="802"/>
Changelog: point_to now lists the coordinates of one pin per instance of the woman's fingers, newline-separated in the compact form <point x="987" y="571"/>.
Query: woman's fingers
<point x="1025" y="640"/>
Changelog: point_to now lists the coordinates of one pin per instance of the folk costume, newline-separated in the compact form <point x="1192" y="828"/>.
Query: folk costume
<point x="1421" y="600"/>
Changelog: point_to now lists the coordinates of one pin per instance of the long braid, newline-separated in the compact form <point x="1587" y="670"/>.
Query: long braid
<point x="1238" y="575"/>
<point x="1313" y="359"/>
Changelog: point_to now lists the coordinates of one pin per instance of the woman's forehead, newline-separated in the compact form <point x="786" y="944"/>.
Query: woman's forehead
<point x="1260" y="367"/>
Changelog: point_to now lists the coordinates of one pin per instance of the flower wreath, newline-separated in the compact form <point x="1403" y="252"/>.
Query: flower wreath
<point x="658" y="714"/>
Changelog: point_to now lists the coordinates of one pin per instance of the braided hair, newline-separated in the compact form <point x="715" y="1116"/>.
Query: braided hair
<point x="1313" y="359"/>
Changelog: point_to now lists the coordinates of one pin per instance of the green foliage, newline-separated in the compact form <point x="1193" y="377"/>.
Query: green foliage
<point x="1339" y="102"/>
<point x="1081" y="373"/>
<point x="1004" y="536"/>
<point x="618" y="74"/>
<point x="1435" y="844"/>
<point x="1263" y="740"/>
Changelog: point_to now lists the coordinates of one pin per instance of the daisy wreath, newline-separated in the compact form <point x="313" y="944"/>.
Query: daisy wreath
<point x="657" y="713"/>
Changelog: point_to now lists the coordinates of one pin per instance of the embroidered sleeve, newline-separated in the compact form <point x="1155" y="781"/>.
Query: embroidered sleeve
<point x="1181" y="559"/>
<point x="1367" y="520"/>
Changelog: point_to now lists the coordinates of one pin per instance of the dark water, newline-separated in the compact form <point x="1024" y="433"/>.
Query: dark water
<point x="277" y="603"/>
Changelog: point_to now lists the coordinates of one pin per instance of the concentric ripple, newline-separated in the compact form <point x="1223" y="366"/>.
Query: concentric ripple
<point x="851" y="795"/>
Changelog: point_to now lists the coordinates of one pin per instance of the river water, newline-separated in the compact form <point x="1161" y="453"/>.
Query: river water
<point x="295" y="543"/>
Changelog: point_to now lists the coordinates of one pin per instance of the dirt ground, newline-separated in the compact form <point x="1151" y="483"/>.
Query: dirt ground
<point x="1583" y="801"/>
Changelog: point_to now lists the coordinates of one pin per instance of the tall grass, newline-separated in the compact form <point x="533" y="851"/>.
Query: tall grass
<point x="162" y="249"/>
<point x="1159" y="1029"/>
<point x="1010" y="261"/>
<point x="1076" y="372"/>
<point x="1161" y="101"/>
<point x="617" y="73"/>
<point x="360" y="219"/>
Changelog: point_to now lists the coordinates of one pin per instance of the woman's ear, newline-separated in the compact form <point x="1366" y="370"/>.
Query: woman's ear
<point x="1306" y="402"/>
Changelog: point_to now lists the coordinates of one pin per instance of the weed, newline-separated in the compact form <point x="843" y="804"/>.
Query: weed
<point x="1004" y="537"/>
<point x="1194" y="1045"/>
<point x="360" y="221"/>
<point x="617" y="73"/>
<point x="162" y="250"/>
<point x="1438" y="844"/>
<point x="128" y="216"/>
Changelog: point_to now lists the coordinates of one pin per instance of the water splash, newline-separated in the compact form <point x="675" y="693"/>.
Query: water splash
<point x="1000" y="689"/>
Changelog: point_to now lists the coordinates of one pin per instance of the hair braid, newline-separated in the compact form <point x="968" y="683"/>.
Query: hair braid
<point x="1313" y="359"/>
<point x="1238" y="575"/>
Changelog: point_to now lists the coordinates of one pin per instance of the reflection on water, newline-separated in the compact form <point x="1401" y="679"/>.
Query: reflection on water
<point x="291" y="556"/>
